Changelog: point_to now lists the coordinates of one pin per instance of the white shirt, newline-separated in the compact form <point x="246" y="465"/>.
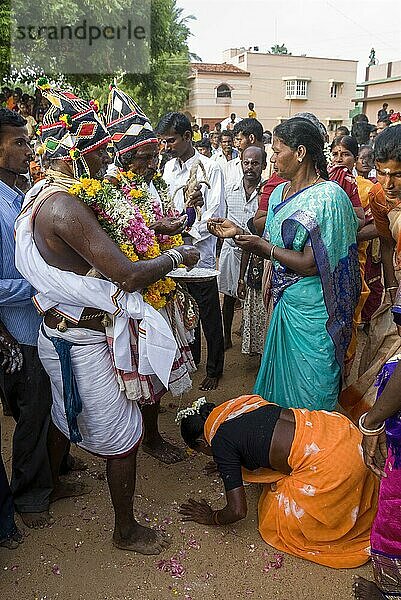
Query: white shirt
<point x="228" y="121"/>
<point x="221" y="159"/>
<point x="176" y="174"/>
<point x="232" y="172"/>
<point x="239" y="209"/>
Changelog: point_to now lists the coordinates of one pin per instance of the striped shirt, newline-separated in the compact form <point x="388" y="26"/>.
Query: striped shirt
<point x="17" y="312"/>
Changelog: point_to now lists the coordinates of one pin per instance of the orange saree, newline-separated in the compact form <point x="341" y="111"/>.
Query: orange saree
<point x="323" y="510"/>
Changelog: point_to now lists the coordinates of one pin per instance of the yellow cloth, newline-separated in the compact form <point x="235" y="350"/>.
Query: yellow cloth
<point x="252" y="114"/>
<point x="323" y="510"/>
<point x="196" y="136"/>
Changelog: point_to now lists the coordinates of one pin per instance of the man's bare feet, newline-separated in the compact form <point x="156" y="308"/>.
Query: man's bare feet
<point x="163" y="450"/>
<point x="366" y="590"/>
<point x="67" y="489"/>
<point x="141" y="539"/>
<point x="209" y="383"/>
<point x="14" y="541"/>
<point x="72" y="463"/>
<point x="37" y="520"/>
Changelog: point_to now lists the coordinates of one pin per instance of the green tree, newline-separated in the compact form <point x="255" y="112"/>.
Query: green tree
<point x="163" y="88"/>
<point x="4" y="39"/>
<point x="279" y="49"/>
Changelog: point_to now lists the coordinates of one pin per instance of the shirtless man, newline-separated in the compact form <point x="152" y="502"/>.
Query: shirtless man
<point x="69" y="237"/>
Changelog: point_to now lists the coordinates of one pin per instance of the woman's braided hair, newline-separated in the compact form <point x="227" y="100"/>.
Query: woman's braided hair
<point x="301" y="132"/>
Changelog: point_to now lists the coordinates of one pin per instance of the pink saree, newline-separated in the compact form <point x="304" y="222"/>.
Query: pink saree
<point x="385" y="536"/>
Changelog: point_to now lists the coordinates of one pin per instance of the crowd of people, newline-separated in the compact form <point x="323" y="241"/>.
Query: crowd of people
<point x="125" y="242"/>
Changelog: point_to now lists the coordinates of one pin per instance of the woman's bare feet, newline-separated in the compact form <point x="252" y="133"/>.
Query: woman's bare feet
<point x="209" y="383"/>
<point x="163" y="450"/>
<point x="14" y="540"/>
<point x="141" y="539"/>
<point x="366" y="590"/>
<point x="37" y="520"/>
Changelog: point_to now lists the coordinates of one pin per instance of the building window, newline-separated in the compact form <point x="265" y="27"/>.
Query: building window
<point x="296" y="88"/>
<point x="335" y="89"/>
<point x="241" y="58"/>
<point x="223" y="91"/>
<point x="333" y="124"/>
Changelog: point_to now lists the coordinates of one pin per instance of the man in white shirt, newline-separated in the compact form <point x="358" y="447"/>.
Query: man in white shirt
<point x="226" y="152"/>
<point x="242" y="204"/>
<point x="248" y="132"/>
<point x="175" y="131"/>
<point x="230" y="122"/>
<point x="215" y="142"/>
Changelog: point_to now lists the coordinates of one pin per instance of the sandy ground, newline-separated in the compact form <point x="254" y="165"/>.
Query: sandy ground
<point x="75" y="560"/>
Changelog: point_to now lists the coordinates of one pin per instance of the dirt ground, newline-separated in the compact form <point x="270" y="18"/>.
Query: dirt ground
<point x="75" y="560"/>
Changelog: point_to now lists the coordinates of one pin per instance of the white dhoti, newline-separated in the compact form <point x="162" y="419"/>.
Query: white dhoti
<point x="110" y="424"/>
<point x="229" y="267"/>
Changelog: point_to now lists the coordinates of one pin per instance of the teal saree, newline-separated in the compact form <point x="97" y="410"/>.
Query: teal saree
<point x="310" y="329"/>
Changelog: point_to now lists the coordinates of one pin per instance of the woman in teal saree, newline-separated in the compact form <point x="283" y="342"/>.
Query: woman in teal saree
<point x="310" y="236"/>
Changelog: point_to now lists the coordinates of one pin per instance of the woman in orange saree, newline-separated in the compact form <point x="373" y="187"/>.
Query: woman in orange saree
<point x="318" y="499"/>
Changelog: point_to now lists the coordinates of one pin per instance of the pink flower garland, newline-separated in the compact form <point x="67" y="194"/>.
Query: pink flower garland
<point x="139" y="233"/>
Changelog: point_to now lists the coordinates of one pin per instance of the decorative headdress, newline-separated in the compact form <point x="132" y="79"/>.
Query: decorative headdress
<point x="128" y="125"/>
<point x="194" y="409"/>
<point x="71" y="128"/>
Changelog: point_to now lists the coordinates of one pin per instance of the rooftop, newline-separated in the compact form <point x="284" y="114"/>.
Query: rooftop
<point x="218" y="68"/>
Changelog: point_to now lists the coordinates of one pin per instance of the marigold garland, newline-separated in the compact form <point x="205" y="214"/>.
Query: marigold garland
<point x="125" y="213"/>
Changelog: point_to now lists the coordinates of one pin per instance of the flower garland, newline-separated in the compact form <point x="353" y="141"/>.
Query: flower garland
<point x="166" y="242"/>
<point x="134" y="187"/>
<point x="190" y="410"/>
<point x="125" y="213"/>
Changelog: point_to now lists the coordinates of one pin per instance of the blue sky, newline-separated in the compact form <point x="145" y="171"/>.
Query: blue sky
<point x="328" y="28"/>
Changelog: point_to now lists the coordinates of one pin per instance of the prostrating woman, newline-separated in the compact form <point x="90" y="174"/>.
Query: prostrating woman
<point x="312" y="230"/>
<point x="382" y="428"/>
<point x="318" y="500"/>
